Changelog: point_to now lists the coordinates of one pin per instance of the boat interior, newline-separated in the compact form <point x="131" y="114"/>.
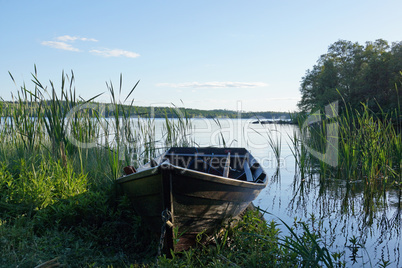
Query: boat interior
<point x="234" y="163"/>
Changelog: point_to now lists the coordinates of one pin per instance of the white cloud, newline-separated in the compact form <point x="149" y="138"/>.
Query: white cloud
<point x="63" y="42"/>
<point x="227" y="84"/>
<point x="114" y="53"/>
<point x="59" y="45"/>
<point x="67" y="38"/>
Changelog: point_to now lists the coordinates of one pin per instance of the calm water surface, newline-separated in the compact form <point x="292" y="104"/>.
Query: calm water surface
<point x="283" y="198"/>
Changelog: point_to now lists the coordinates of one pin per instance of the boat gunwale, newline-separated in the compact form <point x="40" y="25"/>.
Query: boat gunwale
<point x="190" y="172"/>
<point x="139" y="175"/>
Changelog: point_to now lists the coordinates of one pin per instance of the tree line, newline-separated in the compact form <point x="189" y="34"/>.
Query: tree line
<point x="356" y="74"/>
<point x="174" y="112"/>
<point x="108" y="110"/>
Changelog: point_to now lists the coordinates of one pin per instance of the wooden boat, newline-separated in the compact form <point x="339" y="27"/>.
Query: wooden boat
<point x="195" y="190"/>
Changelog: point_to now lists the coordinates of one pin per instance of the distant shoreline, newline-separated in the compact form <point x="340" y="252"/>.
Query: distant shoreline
<point x="107" y="110"/>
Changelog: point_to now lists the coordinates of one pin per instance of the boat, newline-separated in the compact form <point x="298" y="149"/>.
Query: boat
<point x="190" y="190"/>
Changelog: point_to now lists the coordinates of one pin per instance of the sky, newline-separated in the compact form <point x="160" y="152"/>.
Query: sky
<point x="236" y="55"/>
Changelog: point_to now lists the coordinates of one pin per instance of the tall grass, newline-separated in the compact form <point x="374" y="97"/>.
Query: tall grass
<point x="369" y="160"/>
<point x="362" y="194"/>
<point x="41" y="120"/>
<point x="59" y="157"/>
<point x="274" y="140"/>
<point x="58" y="199"/>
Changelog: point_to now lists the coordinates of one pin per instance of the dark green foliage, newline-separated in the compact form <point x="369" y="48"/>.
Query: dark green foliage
<point x="250" y="243"/>
<point x="253" y="242"/>
<point x="361" y="74"/>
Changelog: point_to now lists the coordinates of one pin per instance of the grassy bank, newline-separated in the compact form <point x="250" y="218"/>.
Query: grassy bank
<point x="58" y="199"/>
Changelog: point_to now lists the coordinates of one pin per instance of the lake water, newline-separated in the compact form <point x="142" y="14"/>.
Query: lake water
<point x="282" y="197"/>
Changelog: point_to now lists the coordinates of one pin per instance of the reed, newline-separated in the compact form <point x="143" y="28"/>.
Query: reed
<point x="59" y="200"/>
<point x="369" y="161"/>
<point x="48" y="184"/>
<point x="274" y="140"/>
<point x="37" y="127"/>
<point x="255" y="243"/>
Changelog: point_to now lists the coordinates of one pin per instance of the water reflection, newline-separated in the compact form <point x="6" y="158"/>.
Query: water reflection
<point x="365" y="224"/>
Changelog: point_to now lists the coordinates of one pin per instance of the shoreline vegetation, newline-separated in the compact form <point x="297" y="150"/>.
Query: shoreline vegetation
<point x="59" y="200"/>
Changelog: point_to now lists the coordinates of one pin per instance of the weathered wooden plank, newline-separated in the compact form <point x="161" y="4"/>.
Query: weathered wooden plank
<point x="198" y="186"/>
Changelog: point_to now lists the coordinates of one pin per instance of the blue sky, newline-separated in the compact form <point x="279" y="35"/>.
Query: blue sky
<point x="203" y="54"/>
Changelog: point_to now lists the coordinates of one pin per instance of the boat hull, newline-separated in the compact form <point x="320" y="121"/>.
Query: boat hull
<point x="198" y="202"/>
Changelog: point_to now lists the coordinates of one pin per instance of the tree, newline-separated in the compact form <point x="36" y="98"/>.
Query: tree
<point x="359" y="73"/>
